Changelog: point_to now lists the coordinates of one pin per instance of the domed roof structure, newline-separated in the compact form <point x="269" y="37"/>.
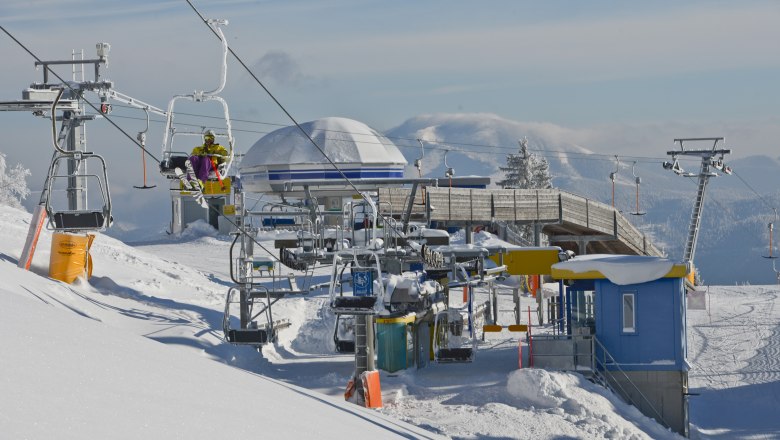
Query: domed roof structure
<point x="287" y="155"/>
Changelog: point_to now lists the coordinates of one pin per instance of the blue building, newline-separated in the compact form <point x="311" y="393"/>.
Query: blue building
<point x="630" y="313"/>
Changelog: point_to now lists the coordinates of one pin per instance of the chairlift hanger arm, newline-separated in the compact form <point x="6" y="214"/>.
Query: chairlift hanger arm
<point x="137" y="103"/>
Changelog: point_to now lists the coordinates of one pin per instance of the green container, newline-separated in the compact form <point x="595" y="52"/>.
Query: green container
<point x="395" y="343"/>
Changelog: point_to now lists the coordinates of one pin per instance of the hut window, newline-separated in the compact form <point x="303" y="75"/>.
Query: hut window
<point x="629" y="313"/>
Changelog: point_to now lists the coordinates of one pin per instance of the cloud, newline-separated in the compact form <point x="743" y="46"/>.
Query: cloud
<point x="669" y="41"/>
<point x="280" y="68"/>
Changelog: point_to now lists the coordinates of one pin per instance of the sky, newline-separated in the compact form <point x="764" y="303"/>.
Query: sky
<point x="637" y="75"/>
<point x="137" y="352"/>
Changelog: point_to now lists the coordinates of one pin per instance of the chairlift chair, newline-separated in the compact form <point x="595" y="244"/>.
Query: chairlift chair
<point x="449" y="344"/>
<point x="252" y="333"/>
<point x="367" y="297"/>
<point x="75" y="219"/>
<point x="172" y="159"/>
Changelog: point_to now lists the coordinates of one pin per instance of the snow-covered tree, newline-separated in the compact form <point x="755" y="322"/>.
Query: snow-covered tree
<point x="526" y="170"/>
<point x="13" y="184"/>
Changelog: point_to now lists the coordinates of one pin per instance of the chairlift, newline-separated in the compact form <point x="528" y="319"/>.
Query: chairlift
<point x="367" y="297"/>
<point x="638" y="181"/>
<point x="448" y="171"/>
<point x="78" y="217"/>
<point x="142" y="140"/>
<point x="172" y="159"/>
<point x="449" y="343"/>
<point x="771" y="232"/>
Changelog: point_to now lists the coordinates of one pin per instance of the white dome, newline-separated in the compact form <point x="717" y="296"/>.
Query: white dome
<point x="344" y="141"/>
<point x="287" y="156"/>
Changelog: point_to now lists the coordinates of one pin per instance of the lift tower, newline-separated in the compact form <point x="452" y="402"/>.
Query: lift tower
<point x="709" y="164"/>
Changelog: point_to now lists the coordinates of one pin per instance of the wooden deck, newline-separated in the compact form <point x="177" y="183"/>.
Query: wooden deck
<point x="566" y="218"/>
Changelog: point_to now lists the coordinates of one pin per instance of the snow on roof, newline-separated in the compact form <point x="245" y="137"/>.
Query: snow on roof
<point x="620" y="269"/>
<point x="343" y="140"/>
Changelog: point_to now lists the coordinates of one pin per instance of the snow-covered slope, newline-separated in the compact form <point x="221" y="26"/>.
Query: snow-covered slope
<point x="137" y="352"/>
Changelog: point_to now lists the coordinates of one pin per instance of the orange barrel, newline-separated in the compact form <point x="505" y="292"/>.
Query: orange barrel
<point x="70" y="257"/>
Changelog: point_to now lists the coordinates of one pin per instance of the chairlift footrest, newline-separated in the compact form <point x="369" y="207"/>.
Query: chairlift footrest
<point x="251" y="336"/>
<point x="451" y="355"/>
<point x="354" y="305"/>
<point x="82" y="220"/>
<point x="345" y="346"/>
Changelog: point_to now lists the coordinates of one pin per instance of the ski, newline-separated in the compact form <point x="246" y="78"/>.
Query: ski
<point x="192" y="186"/>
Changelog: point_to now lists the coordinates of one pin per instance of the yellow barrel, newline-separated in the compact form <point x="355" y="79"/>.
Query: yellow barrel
<point x="70" y="257"/>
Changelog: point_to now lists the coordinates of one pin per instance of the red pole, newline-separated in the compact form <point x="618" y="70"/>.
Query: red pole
<point x="530" y="341"/>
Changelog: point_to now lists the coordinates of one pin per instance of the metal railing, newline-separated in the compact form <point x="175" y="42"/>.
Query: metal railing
<point x="604" y="374"/>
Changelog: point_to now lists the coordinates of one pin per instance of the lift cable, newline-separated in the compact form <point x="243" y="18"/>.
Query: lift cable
<point x="441" y="145"/>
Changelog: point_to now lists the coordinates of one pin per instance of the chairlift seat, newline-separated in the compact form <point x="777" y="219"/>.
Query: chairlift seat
<point x="79" y="220"/>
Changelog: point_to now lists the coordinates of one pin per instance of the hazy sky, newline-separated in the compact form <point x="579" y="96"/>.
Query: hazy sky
<point x="641" y="71"/>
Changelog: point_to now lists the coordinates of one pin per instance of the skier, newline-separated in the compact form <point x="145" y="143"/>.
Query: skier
<point x="204" y="158"/>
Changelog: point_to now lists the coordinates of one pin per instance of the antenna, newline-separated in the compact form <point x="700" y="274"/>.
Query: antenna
<point x="612" y="177"/>
<point x="771" y="226"/>
<point x="638" y="181"/>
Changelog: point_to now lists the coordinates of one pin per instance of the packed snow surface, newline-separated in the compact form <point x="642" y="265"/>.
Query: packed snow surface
<point x="137" y="352"/>
<point x="620" y="269"/>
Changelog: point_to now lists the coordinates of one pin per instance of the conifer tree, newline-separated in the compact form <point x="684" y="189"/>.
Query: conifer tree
<point x="13" y="186"/>
<point x="526" y="170"/>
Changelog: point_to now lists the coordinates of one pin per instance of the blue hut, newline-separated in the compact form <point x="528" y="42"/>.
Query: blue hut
<point x="632" y="311"/>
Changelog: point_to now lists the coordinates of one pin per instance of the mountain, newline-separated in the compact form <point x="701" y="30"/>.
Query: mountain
<point x="737" y="208"/>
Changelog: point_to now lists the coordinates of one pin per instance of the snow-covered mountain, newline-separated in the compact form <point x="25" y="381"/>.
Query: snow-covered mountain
<point x="734" y="233"/>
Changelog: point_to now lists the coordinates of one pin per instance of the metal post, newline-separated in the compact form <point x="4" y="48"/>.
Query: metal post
<point x="76" y="192"/>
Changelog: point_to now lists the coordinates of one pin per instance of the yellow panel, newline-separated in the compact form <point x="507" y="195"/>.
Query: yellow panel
<point x="214" y="187"/>
<point x="229" y="209"/>
<point x="408" y="319"/>
<point x="491" y="328"/>
<point x="518" y="328"/>
<point x="529" y="261"/>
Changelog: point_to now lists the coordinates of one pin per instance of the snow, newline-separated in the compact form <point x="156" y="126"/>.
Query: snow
<point x="136" y="352"/>
<point x="620" y="269"/>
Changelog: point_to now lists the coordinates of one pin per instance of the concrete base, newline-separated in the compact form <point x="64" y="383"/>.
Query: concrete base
<point x="664" y="390"/>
